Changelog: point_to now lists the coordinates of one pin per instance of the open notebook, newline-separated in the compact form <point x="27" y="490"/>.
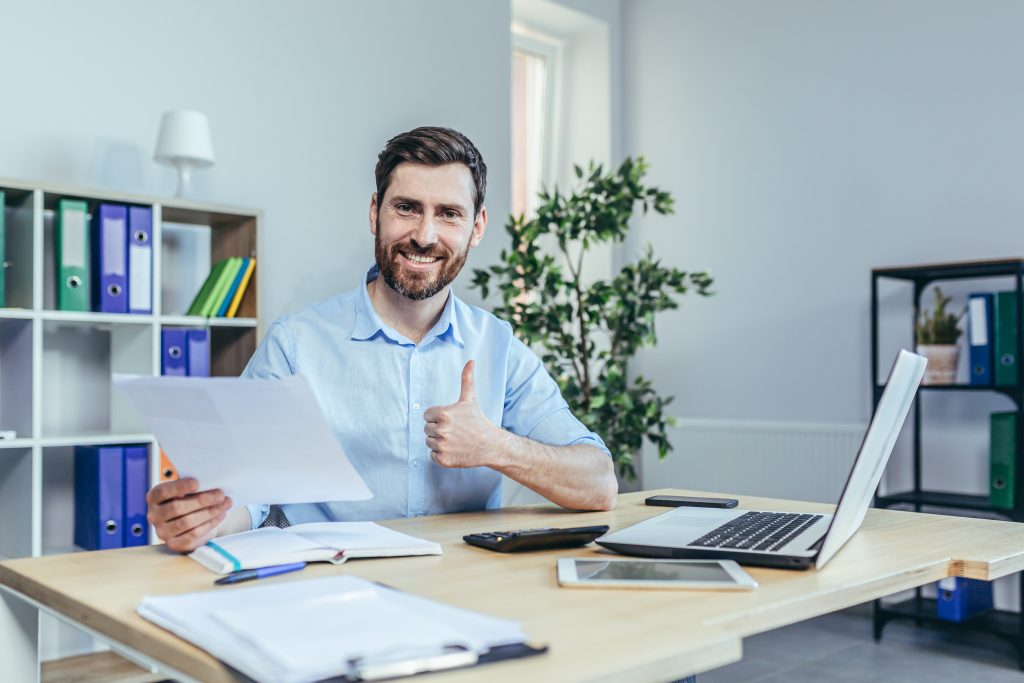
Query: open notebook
<point x="318" y="542"/>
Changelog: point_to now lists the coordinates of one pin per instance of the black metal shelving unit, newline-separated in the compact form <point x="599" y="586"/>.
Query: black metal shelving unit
<point x="1003" y="624"/>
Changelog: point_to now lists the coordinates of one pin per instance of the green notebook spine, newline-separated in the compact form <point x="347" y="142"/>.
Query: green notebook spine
<point x="227" y="276"/>
<point x="1002" y="459"/>
<point x="72" y="253"/>
<point x="1006" y="338"/>
<point x="204" y="291"/>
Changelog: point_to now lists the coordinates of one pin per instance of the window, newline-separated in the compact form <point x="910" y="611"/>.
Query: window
<point x="535" y="71"/>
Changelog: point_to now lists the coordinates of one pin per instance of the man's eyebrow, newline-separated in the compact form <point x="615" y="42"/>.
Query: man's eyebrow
<point x="453" y="207"/>
<point x="399" y="199"/>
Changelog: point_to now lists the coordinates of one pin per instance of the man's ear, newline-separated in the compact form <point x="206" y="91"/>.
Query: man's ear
<point x="479" y="227"/>
<point x="373" y="214"/>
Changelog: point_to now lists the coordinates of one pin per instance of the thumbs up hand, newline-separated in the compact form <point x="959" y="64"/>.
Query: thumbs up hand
<point x="460" y="435"/>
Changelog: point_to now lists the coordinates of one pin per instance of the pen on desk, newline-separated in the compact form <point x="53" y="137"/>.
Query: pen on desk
<point x="262" y="572"/>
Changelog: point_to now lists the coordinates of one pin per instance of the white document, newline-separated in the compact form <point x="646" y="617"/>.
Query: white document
<point x="301" y="631"/>
<point x="260" y="440"/>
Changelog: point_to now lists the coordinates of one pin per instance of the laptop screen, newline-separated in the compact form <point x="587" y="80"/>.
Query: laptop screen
<point x="891" y="412"/>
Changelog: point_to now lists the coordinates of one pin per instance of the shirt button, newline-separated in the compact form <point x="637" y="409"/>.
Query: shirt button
<point x="415" y="406"/>
<point x="415" y="463"/>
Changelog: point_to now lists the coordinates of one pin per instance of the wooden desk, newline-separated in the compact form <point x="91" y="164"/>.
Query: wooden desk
<point x="593" y="634"/>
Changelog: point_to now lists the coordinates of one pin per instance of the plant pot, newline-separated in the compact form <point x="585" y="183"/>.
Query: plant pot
<point x="942" y="360"/>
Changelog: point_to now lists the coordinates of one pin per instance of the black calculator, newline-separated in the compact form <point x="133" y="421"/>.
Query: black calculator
<point x="536" y="539"/>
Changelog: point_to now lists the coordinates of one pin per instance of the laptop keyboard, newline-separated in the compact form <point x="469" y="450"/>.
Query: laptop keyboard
<point x="758" y="531"/>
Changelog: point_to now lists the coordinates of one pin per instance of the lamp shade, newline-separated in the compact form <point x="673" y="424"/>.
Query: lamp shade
<point x="184" y="136"/>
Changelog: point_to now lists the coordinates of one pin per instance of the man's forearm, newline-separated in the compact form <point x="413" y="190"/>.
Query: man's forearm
<point x="579" y="477"/>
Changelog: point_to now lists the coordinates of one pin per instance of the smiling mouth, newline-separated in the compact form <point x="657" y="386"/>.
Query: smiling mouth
<point x="420" y="259"/>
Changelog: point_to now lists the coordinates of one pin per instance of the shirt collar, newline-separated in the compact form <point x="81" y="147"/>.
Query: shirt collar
<point x="368" y="324"/>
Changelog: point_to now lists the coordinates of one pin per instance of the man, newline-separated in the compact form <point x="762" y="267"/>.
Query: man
<point x="432" y="399"/>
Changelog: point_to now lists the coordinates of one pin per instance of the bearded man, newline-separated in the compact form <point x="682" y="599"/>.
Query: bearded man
<point x="432" y="399"/>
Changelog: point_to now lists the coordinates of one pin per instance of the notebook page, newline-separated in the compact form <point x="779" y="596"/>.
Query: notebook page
<point x="354" y="537"/>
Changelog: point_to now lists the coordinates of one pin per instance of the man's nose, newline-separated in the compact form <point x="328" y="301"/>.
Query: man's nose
<point x="426" y="232"/>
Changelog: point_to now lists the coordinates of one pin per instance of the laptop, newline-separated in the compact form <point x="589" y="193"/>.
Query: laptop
<point x="783" y="539"/>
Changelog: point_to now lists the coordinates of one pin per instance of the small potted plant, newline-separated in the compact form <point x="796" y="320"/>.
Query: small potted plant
<point x="937" y="335"/>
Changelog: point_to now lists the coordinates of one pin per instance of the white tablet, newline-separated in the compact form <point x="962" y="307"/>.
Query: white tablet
<point x="689" y="574"/>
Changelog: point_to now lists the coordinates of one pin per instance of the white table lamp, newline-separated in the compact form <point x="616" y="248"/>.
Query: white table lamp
<point x="184" y="142"/>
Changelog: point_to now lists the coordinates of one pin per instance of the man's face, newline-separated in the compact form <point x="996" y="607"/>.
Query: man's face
<point x="424" y="227"/>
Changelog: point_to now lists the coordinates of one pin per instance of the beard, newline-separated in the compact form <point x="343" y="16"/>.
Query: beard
<point x="411" y="284"/>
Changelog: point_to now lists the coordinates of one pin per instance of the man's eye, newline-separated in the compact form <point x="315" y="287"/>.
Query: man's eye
<point x="403" y="208"/>
<point x="451" y="214"/>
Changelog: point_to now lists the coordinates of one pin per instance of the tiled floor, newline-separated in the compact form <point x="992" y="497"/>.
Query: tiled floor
<point x="838" y="647"/>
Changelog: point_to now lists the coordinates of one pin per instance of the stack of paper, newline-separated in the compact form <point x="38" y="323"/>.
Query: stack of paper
<point x="302" y="631"/>
<point x="321" y="542"/>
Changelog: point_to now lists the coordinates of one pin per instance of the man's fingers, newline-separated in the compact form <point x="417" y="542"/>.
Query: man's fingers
<point x="433" y="414"/>
<point x="171" y="489"/>
<point x="193" y="520"/>
<point x="430" y="428"/>
<point x="468" y="390"/>
<point x="432" y="443"/>
<point x="179" y="507"/>
<point x="196" y="537"/>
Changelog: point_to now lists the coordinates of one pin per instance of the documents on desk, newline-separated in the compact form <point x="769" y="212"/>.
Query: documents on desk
<point x="301" y="631"/>
<point x="259" y="440"/>
<point x="317" y="542"/>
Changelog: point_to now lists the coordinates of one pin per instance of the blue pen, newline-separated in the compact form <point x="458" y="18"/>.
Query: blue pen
<point x="262" y="572"/>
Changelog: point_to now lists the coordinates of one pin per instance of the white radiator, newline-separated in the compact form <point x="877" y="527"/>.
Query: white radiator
<point x="794" y="460"/>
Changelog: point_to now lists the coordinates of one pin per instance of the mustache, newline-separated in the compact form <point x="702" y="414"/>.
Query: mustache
<point x="434" y="250"/>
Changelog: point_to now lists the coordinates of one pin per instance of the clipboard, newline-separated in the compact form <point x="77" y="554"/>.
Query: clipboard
<point x="451" y="658"/>
<point x="341" y="628"/>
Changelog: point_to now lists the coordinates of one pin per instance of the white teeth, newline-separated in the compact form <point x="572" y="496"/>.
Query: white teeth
<point x="420" y="259"/>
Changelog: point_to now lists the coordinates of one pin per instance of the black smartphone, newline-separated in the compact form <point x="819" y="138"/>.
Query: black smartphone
<point x="692" y="501"/>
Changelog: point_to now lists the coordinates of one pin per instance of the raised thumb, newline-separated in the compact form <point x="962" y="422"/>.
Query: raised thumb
<point x="468" y="390"/>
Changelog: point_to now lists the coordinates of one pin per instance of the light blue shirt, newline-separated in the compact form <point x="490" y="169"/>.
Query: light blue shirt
<point x="374" y="384"/>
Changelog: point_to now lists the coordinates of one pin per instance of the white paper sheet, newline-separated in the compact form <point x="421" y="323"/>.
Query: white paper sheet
<point x="260" y="440"/>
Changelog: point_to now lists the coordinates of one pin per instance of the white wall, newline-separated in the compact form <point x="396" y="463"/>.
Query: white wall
<point x="805" y="143"/>
<point x="301" y="97"/>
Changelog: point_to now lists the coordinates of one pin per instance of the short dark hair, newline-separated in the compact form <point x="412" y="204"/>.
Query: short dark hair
<point x="434" y="146"/>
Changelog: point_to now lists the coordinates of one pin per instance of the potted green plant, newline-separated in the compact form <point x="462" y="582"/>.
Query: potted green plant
<point x="937" y="335"/>
<point x="586" y="332"/>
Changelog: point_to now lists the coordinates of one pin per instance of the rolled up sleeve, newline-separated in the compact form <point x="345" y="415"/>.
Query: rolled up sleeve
<point x="534" y="406"/>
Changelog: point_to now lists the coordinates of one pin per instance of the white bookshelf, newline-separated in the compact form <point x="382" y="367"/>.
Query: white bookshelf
<point x="56" y="366"/>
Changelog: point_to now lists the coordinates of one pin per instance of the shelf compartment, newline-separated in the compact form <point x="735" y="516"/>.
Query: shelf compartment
<point x="192" y="241"/>
<point x="18" y="222"/>
<point x="16" y="502"/>
<point x="943" y="499"/>
<point x="50" y="205"/>
<point x="230" y="350"/>
<point x="78" y="362"/>
<point x="16" y="376"/>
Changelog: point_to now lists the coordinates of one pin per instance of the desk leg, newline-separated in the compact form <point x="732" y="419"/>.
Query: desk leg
<point x="19" y="639"/>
